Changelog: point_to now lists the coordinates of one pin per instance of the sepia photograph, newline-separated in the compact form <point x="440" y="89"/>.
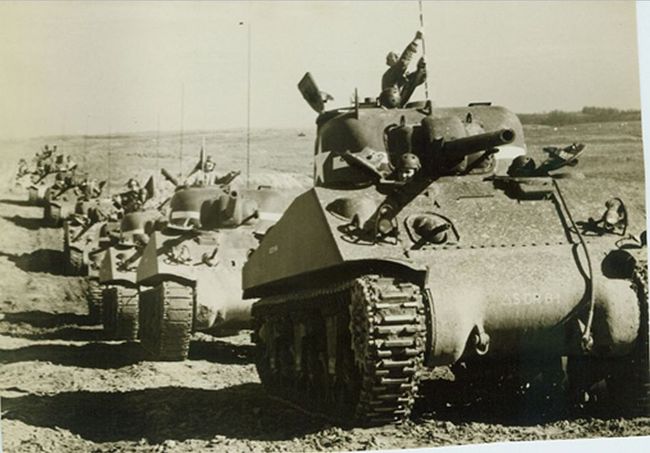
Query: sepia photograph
<point x="323" y="226"/>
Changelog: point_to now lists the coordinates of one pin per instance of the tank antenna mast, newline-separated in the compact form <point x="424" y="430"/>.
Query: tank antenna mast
<point x="424" y="50"/>
<point x="108" y="159"/>
<point x="248" y="108"/>
<point x="85" y="143"/>
<point x="180" y="152"/>
<point x="158" y="142"/>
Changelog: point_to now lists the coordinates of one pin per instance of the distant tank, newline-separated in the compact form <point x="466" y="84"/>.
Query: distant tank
<point x="38" y="186"/>
<point x="190" y="271"/>
<point x="91" y="230"/>
<point x="86" y="235"/>
<point x="61" y="199"/>
<point x="372" y="278"/>
<point x="117" y="274"/>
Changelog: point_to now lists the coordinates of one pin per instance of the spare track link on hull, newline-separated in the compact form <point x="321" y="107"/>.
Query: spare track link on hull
<point x="121" y="312"/>
<point x="353" y="351"/>
<point x="166" y="321"/>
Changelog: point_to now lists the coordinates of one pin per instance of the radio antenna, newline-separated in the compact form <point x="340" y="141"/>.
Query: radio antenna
<point x="424" y="49"/>
<point x="180" y="152"/>
<point x="108" y="159"/>
<point x="248" y="110"/>
<point x="158" y="142"/>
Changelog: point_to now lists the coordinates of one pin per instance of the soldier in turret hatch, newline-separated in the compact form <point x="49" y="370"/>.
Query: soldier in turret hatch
<point x="409" y="165"/>
<point x="397" y="78"/>
<point x="133" y="199"/>
<point x="206" y="172"/>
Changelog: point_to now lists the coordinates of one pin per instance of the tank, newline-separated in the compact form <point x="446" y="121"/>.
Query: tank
<point x="86" y="235"/>
<point x="369" y="281"/>
<point x="60" y="199"/>
<point x="38" y="186"/>
<point x="117" y="275"/>
<point x="190" y="271"/>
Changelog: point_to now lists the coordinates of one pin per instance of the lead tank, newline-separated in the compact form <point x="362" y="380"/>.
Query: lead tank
<point x="190" y="271"/>
<point x="368" y="282"/>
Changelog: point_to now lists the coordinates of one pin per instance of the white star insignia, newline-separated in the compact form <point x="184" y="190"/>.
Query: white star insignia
<point x="319" y="166"/>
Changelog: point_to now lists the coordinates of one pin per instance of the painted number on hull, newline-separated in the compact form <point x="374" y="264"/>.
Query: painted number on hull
<point x="515" y="299"/>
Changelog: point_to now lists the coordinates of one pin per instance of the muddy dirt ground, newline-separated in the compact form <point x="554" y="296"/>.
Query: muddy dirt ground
<point x="63" y="388"/>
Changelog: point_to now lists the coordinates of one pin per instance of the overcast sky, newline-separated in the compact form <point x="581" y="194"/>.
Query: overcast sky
<point x="70" y="68"/>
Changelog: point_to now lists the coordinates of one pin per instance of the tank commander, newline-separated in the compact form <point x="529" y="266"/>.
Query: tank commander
<point x="205" y="172"/>
<point x="23" y="168"/>
<point x="60" y="164"/>
<point x="396" y="77"/>
<point x="409" y="165"/>
<point x="133" y="199"/>
<point x="59" y="182"/>
<point x="413" y="80"/>
<point x="70" y="163"/>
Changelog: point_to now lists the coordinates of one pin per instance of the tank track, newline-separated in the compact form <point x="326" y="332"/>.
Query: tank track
<point x="120" y="312"/>
<point x="166" y="313"/>
<point x="94" y="299"/>
<point x="352" y="352"/>
<point x="74" y="264"/>
<point x="52" y="216"/>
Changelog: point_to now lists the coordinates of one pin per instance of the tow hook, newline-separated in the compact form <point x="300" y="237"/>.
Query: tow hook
<point x="481" y="340"/>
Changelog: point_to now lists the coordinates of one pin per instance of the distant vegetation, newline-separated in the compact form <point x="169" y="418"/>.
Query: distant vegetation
<point x="586" y="115"/>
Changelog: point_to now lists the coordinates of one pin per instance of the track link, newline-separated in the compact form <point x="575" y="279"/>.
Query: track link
<point x="166" y="321"/>
<point x="353" y="351"/>
<point x="121" y="312"/>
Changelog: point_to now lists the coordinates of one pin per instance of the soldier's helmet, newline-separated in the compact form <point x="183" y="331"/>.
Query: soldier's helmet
<point x="390" y="98"/>
<point x="391" y="58"/>
<point x="208" y="165"/>
<point x="409" y="164"/>
<point x="409" y="161"/>
<point x="133" y="184"/>
<point x="521" y="166"/>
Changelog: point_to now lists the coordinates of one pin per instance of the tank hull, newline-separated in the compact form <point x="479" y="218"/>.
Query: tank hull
<point x="36" y="194"/>
<point x="516" y="274"/>
<point x="56" y="210"/>
<point x="216" y="286"/>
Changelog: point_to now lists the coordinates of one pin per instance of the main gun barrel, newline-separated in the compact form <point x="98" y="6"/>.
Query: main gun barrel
<point x="461" y="147"/>
<point x="169" y="177"/>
